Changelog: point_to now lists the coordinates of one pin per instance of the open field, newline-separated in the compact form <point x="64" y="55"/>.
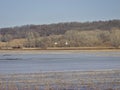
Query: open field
<point x="74" y="80"/>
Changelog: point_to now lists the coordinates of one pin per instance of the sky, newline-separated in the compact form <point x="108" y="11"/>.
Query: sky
<point x="22" y="12"/>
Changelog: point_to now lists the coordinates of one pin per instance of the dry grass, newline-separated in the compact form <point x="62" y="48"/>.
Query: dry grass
<point x="91" y="80"/>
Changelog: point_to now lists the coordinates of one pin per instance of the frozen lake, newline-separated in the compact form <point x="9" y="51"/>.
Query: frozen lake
<point x="80" y="61"/>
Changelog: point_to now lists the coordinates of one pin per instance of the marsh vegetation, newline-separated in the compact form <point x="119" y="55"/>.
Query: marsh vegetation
<point x="86" y="80"/>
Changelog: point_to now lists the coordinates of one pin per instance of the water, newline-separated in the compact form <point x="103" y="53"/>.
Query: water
<point x="80" y="61"/>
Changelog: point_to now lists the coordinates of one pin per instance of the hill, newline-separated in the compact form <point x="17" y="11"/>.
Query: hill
<point x="60" y="28"/>
<point x="77" y="34"/>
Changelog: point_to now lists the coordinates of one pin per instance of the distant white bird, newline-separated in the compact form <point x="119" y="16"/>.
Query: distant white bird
<point x="55" y="43"/>
<point x="66" y="43"/>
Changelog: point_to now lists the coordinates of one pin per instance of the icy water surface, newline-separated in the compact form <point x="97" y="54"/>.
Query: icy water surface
<point x="80" y="61"/>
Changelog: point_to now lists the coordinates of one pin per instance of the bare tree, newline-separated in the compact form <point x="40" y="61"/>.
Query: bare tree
<point x="115" y="38"/>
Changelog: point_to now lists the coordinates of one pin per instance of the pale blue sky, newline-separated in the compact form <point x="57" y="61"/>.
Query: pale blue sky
<point x="22" y="12"/>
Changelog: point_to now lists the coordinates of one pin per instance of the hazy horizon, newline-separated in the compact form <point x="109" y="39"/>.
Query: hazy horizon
<point x="23" y="12"/>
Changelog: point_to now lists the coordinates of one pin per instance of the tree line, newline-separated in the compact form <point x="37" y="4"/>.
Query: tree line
<point x="74" y="34"/>
<point x="57" y="29"/>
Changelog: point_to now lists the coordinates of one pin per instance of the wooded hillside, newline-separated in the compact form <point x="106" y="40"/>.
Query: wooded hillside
<point x="72" y="34"/>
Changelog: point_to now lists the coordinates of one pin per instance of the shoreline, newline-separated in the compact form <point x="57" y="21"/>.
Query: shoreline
<point x="54" y="51"/>
<point x="67" y="71"/>
<point x="65" y="48"/>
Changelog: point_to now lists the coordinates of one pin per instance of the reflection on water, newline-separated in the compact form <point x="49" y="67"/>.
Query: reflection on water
<point x="83" y="61"/>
